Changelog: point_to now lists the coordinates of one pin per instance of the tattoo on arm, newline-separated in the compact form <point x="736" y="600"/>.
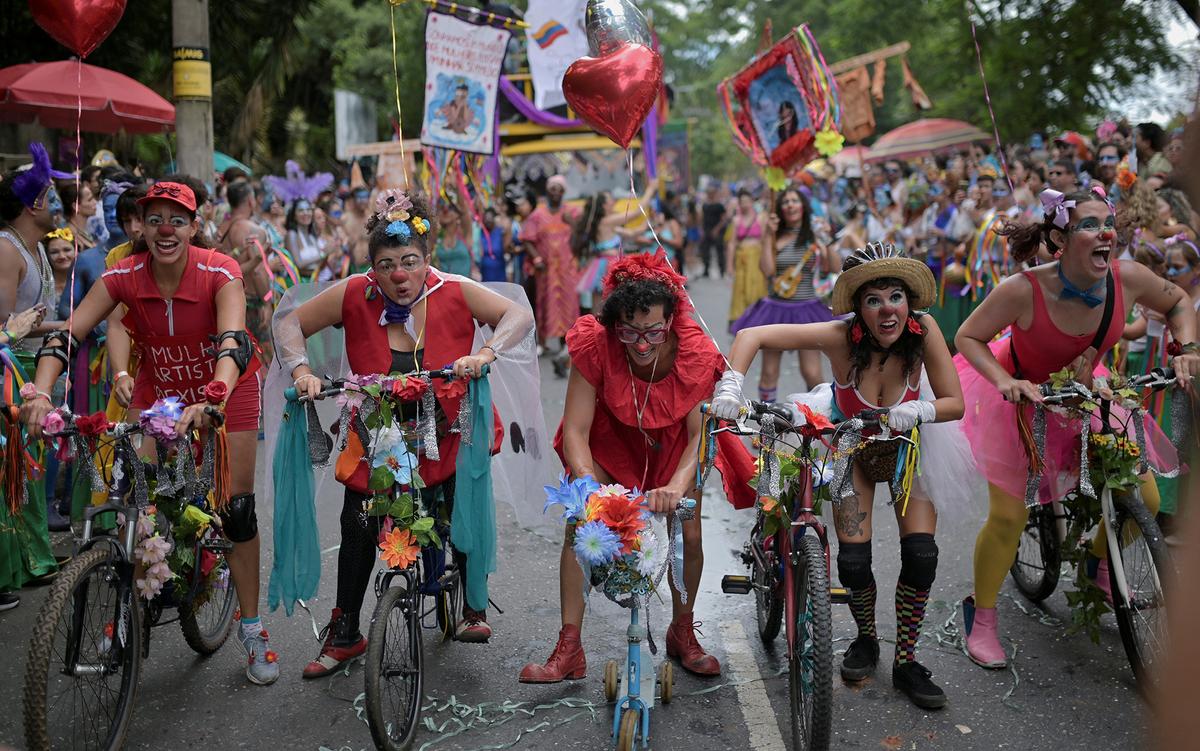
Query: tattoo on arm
<point x="1168" y="286"/>
<point x="850" y="517"/>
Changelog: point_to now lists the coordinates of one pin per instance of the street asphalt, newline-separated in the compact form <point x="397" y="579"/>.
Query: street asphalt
<point x="1062" y="691"/>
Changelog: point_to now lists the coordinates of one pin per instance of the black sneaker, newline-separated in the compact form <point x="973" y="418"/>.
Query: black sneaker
<point x="860" y="659"/>
<point x="9" y="600"/>
<point x="913" y="679"/>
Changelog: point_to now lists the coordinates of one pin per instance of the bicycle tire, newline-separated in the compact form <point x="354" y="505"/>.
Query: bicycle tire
<point x="1143" y="636"/>
<point x="63" y="616"/>
<point x="811" y="698"/>
<point x="768" y="605"/>
<point x="205" y="635"/>
<point x="397" y="618"/>
<point x="1036" y="568"/>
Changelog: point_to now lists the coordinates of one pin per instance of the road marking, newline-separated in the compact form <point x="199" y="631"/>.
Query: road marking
<point x="751" y="693"/>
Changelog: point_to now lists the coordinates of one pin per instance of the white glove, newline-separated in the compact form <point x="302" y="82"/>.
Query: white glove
<point x="727" y="400"/>
<point x="908" y="415"/>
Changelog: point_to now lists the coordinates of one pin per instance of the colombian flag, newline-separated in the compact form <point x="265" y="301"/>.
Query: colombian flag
<point x="549" y="33"/>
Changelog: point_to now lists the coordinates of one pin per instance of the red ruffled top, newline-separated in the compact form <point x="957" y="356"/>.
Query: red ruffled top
<point x="617" y="444"/>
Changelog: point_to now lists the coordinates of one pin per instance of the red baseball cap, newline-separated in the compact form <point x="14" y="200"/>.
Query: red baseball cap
<point x="175" y="192"/>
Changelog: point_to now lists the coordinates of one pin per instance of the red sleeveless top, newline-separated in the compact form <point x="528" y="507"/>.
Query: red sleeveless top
<point x="1043" y="348"/>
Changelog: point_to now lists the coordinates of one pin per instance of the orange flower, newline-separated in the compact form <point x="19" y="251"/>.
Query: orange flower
<point x="399" y="548"/>
<point x="1126" y="178"/>
<point x="769" y="504"/>
<point x="624" y="517"/>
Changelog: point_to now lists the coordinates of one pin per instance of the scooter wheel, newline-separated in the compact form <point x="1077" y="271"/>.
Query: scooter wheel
<point x="666" y="682"/>
<point x="611" y="680"/>
<point x="627" y="735"/>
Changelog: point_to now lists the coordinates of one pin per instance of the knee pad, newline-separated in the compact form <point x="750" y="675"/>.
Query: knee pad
<point x="238" y="518"/>
<point x="918" y="560"/>
<point x="854" y="565"/>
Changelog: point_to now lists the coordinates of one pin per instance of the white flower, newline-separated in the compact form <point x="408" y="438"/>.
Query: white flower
<point x="149" y="587"/>
<point x="387" y="439"/>
<point x="651" y="554"/>
<point x="160" y="572"/>
<point x="145" y="525"/>
<point x="822" y="474"/>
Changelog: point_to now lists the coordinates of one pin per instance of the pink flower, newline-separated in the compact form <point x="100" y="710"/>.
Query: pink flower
<point x="145" y="525"/>
<point x="160" y="571"/>
<point x="53" y="422"/>
<point x="153" y="550"/>
<point x="149" y="588"/>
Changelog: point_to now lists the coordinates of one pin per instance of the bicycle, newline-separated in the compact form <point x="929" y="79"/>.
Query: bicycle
<point x="93" y="631"/>
<point x="394" y="670"/>
<point x="789" y="566"/>
<point x="1138" y="556"/>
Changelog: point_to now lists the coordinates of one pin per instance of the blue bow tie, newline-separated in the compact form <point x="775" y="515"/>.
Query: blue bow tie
<point x="394" y="312"/>
<point x="1088" y="296"/>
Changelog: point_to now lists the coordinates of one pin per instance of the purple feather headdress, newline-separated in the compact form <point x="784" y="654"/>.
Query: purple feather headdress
<point x="296" y="185"/>
<point x="31" y="181"/>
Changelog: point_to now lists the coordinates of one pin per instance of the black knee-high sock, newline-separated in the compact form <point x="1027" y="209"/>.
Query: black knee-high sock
<point x="918" y="567"/>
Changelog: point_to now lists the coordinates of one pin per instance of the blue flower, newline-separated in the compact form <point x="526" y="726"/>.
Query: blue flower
<point x="596" y="544"/>
<point x="572" y="495"/>
<point x="399" y="229"/>
<point x="397" y="458"/>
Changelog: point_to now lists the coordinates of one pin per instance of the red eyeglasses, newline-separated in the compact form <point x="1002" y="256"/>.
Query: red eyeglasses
<point x="630" y="335"/>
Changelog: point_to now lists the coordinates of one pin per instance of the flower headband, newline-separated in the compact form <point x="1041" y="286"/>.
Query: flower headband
<point x="394" y="206"/>
<point x="62" y="233"/>
<point x="652" y="267"/>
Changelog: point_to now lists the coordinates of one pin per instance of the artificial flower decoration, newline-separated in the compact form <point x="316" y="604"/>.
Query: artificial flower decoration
<point x="650" y="554"/>
<point x="53" y="423"/>
<point x="816" y="420"/>
<point x="399" y="230"/>
<point x="398" y="460"/>
<point x="914" y="327"/>
<point x="158" y="422"/>
<point x="624" y="517"/>
<point x="1125" y="178"/>
<point x="420" y="225"/>
<point x="398" y="215"/>
<point x="408" y="389"/>
<point x="152" y="550"/>
<point x="769" y="504"/>
<point x="776" y="178"/>
<point x="596" y="544"/>
<point x="572" y="495"/>
<point x="92" y="425"/>
<point x="452" y="388"/>
<point x="399" y="548"/>
<point x="829" y="142"/>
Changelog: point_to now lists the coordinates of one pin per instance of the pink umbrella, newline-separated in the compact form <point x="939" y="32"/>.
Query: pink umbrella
<point x="851" y="156"/>
<point x="51" y="94"/>
<point x="923" y="137"/>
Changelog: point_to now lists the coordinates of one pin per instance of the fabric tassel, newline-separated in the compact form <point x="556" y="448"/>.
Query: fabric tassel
<point x="221" y="480"/>
<point x="14" y="463"/>
<point x="908" y="467"/>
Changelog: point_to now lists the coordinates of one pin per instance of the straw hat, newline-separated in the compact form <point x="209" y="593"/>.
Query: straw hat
<point x="880" y="261"/>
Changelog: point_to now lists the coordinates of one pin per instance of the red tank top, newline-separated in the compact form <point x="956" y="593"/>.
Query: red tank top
<point x="850" y="402"/>
<point x="1043" y="348"/>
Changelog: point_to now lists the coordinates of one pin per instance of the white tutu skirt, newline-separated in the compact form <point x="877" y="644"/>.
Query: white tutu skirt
<point x="946" y="475"/>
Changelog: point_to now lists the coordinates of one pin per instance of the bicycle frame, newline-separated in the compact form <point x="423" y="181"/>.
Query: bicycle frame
<point x="804" y="517"/>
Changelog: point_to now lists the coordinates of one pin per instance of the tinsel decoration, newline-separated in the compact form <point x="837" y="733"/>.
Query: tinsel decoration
<point x="141" y="490"/>
<point x="1181" y="422"/>
<point x="841" y="486"/>
<point x="84" y="448"/>
<point x="208" y="468"/>
<point x="463" y="423"/>
<point x="343" y="428"/>
<point x="1038" y="438"/>
<point x="427" y="423"/>
<point x="1085" y="474"/>
<point x="1139" y="434"/>
<point x="675" y="549"/>
<point x="769" y="480"/>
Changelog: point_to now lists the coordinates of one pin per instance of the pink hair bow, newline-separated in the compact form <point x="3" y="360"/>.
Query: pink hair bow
<point x="1055" y="205"/>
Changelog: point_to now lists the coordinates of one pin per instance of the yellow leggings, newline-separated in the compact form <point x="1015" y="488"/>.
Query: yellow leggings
<point x="996" y="546"/>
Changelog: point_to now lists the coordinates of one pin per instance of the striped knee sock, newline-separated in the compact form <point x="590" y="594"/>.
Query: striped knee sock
<point x="910" y="613"/>
<point x="862" y="607"/>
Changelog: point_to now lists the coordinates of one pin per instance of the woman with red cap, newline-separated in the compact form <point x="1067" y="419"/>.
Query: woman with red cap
<point x="641" y="368"/>
<point x="402" y="316"/>
<point x="179" y="300"/>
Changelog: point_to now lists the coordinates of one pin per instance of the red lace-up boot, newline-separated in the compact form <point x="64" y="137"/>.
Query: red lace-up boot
<point x="567" y="661"/>
<point x="682" y="644"/>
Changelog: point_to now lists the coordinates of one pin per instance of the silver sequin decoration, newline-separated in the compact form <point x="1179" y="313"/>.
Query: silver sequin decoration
<point x="464" y="424"/>
<point x="1034" y="479"/>
<point x="82" y="450"/>
<point x="841" y="485"/>
<point x="675" y="551"/>
<point x="1139" y="434"/>
<point x="343" y="428"/>
<point x="320" y="444"/>
<point x="427" y="423"/>
<point x="769" y="480"/>
<point x="1085" y="474"/>
<point x="1181" y="422"/>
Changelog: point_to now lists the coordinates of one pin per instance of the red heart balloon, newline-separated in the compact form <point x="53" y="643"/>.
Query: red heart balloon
<point x="614" y="93"/>
<point x="79" y="25"/>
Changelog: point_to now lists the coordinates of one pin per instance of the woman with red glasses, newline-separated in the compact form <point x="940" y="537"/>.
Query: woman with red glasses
<point x="641" y="368"/>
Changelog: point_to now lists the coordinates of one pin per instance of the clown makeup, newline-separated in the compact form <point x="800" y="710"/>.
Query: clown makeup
<point x="1089" y="243"/>
<point x="884" y="311"/>
<point x="1179" y="270"/>
<point x="168" y="229"/>
<point x="401" y="272"/>
<point x="643" y="334"/>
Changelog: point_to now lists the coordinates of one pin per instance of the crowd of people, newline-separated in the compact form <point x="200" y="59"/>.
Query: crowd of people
<point x="880" y="271"/>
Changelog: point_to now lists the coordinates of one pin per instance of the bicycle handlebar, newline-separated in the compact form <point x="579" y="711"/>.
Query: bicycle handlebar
<point x="338" y="385"/>
<point x="1157" y="379"/>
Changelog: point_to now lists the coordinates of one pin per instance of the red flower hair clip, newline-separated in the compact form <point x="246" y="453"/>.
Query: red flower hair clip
<point x="652" y="267"/>
<point x="915" y="327"/>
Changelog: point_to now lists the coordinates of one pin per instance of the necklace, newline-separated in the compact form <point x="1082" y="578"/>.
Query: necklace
<point x="40" y="261"/>
<point x="639" y="411"/>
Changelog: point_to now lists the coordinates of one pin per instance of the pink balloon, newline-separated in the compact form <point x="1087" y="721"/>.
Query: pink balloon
<point x="78" y="25"/>
<point x="615" y="92"/>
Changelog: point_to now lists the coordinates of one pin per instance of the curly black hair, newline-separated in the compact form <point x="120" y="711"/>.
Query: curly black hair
<point x="910" y="347"/>
<point x="378" y="238"/>
<point x="635" y="297"/>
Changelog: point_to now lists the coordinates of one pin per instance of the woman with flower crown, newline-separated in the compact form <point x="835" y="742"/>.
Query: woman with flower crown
<point x="878" y="356"/>
<point x="401" y="316"/>
<point x="641" y="368"/>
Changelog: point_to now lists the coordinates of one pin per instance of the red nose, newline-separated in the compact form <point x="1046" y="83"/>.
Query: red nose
<point x="165" y="230"/>
<point x="1106" y="235"/>
<point x="399" y="276"/>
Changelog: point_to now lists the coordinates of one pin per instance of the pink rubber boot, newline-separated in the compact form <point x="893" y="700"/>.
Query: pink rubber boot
<point x="983" y="643"/>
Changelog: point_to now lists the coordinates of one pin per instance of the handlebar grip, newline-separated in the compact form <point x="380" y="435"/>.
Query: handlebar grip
<point x="218" y="416"/>
<point x="688" y="503"/>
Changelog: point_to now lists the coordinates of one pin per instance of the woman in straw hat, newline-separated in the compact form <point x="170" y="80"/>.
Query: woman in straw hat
<point x="878" y="355"/>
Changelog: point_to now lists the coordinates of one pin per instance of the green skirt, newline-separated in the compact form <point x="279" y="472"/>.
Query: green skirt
<point x="25" y="551"/>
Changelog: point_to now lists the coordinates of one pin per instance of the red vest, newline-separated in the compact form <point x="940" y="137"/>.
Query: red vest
<point x="449" y="334"/>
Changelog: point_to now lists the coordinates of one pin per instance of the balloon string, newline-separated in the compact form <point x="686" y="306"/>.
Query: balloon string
<point x="638" y="201"/>
<point x="74" y="235"/>
<point x="988" y="98"/>
<point x="396" y="80"/>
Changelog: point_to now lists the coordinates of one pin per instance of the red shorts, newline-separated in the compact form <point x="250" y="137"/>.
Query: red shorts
<point x="242" y="409"/>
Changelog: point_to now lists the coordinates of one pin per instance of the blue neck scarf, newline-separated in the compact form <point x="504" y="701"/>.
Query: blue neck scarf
<point x="1089" y="296"/>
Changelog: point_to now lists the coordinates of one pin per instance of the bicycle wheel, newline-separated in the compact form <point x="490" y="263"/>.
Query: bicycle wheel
<point x="768" y="605"/>
<point x="393" y="670"/>
<point x="85" y="657"/>
<point x="449" y="606"/>
<point x="1146" y="560"/>
<point x="1036" y="568"/>
<point x="810" y="665"/>
<point x="207" y="620"/>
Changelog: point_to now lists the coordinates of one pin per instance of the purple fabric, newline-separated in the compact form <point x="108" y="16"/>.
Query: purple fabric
<point x="768" y="311"/>
<point x="650" y="142"/>
<point x="531" y="112"/>
<point x="29" y="184"/>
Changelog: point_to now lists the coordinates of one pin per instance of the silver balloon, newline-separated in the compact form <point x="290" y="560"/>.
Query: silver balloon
<point x="611" y="24"/>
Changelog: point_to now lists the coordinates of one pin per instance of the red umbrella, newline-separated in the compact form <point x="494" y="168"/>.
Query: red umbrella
<point x="51" y="93"/>
<point x="923" y="137"/>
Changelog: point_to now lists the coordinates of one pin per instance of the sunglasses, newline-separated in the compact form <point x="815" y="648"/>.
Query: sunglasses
<point x="629" y="335"/>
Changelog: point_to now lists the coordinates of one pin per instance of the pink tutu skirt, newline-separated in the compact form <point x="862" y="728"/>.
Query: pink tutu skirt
<point x="990" y="425"/>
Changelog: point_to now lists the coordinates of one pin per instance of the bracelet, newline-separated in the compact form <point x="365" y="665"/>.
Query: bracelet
<point x="1175" y="349"/>
<point x="121" y="374"/>
<point x="29" y="392"/>
<point x="296" y="382"/>
<point x="216" y="392"/>
<point x="495" y="354"/>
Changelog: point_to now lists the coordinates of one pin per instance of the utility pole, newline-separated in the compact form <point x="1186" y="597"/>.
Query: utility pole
<point x="193" y="88"/>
